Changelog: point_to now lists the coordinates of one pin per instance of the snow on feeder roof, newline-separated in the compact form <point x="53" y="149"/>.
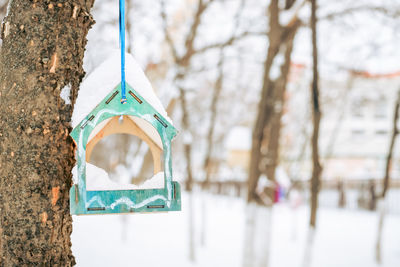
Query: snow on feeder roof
<point x="98" y="113"/>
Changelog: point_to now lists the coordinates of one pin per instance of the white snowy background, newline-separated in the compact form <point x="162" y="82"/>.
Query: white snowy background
<point x="210" y="230"/>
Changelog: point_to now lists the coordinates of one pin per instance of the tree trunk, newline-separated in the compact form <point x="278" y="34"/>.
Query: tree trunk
<point x="316" y="112"/>
<point x="279" y="38"/>
<point x="187" y="146"/>
<point x="389" y="156"/>
<point x="386" y="180"/>
<point x="207" y="166"/>
<point x="274" y="129"/>
<point x="129" y="28"/>
<point x="340" y="119"/>
<point x="42" y="52"/>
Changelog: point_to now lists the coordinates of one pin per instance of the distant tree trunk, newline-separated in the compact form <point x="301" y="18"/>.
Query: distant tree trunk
<point x="129" y="28"/>
<point x="207" y="166"/>
<point x="279" y="42"/>
<point x="316" y="117"/>
<point x="252" y="233"/>
<point x="187" y="146"/>
<point x="274" y="128"/>
<point x="342" y="113"/>
<point x="42" y="52"/>
<point x="342" y="194"/>
<point x="386" y="179"/>
<point x="258" y="235"/>
<point x="309" y="247"/>
<point x="316" y="112"/>
<point x="395" y="132"/>
<point x="182" y="63"/>
<point x="249" y="236"/>
<point x="146" y="170"/>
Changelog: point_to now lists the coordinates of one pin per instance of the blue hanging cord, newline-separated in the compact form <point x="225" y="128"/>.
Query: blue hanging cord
<point x="122" y="46"/>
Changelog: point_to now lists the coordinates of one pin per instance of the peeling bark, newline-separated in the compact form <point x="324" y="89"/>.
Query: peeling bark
<point x="37" y="154"/>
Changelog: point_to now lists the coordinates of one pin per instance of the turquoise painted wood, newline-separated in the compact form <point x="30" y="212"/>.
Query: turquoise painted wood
<point x="124" y="201"/>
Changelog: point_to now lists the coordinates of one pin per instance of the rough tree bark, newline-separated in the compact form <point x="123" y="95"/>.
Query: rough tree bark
<point x="316" y="115"/>
<point x="279" y="37"/>
<point x="42" y="52"/>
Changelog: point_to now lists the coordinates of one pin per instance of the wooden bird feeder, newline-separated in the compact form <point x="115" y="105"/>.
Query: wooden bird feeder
<point x="137" y="117"/>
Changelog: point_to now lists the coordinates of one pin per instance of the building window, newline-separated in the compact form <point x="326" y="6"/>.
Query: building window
<point x="358" y="132"/>
<point x="357" y="109"/>
<point x="381" y="108"/>
<point x="381" y="132"/>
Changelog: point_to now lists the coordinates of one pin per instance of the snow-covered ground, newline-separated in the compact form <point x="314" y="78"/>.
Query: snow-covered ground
<point x="344" y="237"/>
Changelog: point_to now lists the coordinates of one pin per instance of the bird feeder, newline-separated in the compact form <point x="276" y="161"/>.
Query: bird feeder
<point x="136" y="117"/>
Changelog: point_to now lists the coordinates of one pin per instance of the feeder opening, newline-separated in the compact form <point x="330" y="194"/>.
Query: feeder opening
<point x="124" y="153"/>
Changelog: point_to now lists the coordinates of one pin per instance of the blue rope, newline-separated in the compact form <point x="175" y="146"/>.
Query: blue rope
<point x="122" y="46"/>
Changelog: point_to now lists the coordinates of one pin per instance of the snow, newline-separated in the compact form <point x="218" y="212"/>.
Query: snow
<point x="98" y="179"/>
<point x="105" y="78"/>
<point x="239" y="138"/>
<point x="275" y="71"/>
<point x="343" y="238"/>
<point x="8" y="8"/>
<point x="65" y="94"/>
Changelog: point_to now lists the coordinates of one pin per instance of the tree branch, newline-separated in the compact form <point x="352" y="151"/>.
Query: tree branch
<point x="394" y="13"/>
<point x="189" y="43"/>
<point x="167" y="35"/>
<point x="389" y="156"/>
<point x="229" y="42"/>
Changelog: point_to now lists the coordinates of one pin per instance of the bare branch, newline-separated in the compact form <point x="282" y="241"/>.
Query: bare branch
<point x="289" y="4"/>
<point x="167" y="35"/>
<point x="230" y="41"/>
<point x="189" y="43"/>
<point x="234" y="36"/>
<point x="394" y="13"/>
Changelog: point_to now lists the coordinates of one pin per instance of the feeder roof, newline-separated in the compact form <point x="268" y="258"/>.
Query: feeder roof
<point x="105" y="78"/>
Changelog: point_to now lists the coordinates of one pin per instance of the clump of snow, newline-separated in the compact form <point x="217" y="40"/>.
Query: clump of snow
<point x="8" y="8"/>
<point x="105" y="78"/>
<point x="275" y="72"/>
<point x="187" y="138"/>
<point x="97" y="179"/>
<point x="65" y="94"/>
<point x="239" y="138"/>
